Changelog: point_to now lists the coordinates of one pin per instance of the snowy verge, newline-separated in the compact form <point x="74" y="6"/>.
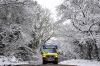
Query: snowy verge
<point x="80" y="62"/>
<point x="13" y="61"/>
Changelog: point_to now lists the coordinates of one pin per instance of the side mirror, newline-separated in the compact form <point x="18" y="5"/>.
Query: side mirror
<point x="59" y="53"/>
<point x="41" y="52"/>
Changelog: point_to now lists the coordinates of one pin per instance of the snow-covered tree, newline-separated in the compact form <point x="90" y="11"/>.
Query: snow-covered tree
<point x="23" y="23"/>
<point x="84" y="16"/>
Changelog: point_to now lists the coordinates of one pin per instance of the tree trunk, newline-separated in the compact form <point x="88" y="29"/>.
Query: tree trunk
<point x="89" y="51"/>
<point x="96" y="52"/>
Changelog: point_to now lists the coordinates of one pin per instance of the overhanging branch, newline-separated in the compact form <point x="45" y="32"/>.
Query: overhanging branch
<point x="76" y="27"/>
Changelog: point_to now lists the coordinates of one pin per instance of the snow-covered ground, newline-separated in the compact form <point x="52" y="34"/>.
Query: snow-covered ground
<point x="80" y="62"/>
<point x="9" y="61"/>
<point x="13" y="61"/>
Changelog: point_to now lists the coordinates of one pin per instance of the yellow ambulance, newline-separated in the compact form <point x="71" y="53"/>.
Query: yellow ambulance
<point x="49" y="54"/>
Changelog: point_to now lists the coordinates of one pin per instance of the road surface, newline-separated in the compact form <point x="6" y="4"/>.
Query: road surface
<point x="49" y="64"/>
<point x="61" y="58"/>
<point x="46" y="65"/>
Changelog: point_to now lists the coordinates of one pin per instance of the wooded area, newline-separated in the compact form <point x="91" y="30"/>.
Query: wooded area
<point x="25" y="26"/>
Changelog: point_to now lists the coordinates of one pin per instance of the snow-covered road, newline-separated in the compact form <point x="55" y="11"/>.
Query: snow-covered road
<point x="80" y="62"/>
<point x="76" y="62"/>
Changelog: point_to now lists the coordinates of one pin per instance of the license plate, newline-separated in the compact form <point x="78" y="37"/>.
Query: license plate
<point x="50" y="59"/>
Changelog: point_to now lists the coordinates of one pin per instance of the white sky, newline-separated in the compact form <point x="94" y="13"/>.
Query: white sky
<point x="51" y="5"/>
